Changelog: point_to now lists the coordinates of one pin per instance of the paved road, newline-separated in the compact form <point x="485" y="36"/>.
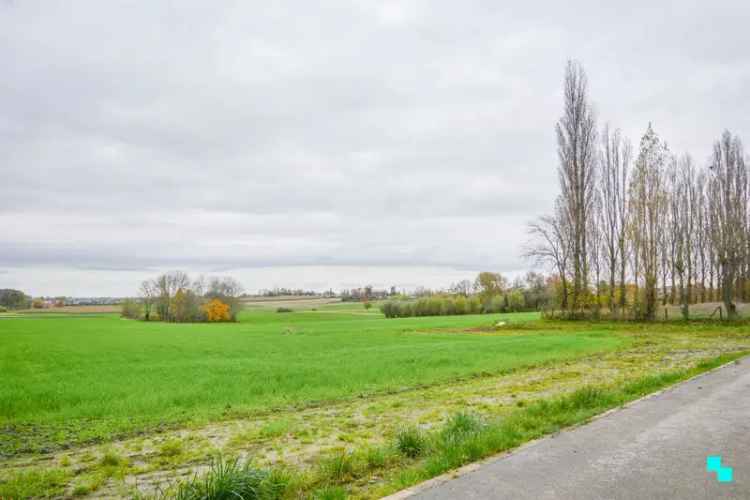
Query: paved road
<point x="654" y="449"/>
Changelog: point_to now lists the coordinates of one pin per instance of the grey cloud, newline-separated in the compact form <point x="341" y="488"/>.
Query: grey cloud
<point x="147" y="135"/>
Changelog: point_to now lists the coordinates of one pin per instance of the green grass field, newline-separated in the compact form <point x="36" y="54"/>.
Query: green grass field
<point x="95" y="404"/>
<point x="77" y="378"/>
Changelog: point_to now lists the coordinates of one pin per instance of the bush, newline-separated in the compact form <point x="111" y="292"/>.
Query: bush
<point x="516" y="301"/>
<point x="388" y="309"/>
<point x="473" y="305"/>
<point x="411" y="442"/>
<point x="3" y="309"/>
<point x="217" y="310"/>
<point x="407" y="310"/>
<point x="131" y="309"/>
<point x="446" y="305"/>
<point x="431" y="306"/>
<point x="460" y="306"/>
<point x="187" y="306"/>
<point x="283" y="310"/>
<point x="496" y="305"/>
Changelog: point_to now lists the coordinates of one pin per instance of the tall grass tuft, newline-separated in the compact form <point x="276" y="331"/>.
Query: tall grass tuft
<point x="338" y="468"/>
<point x="111" y="459"/>
<point x="225" y="480"/>
<point x="461" y="426"/>
<point x="330" y="493"/>
<point x="411" y="442"/>
<point x="375" y="458"/>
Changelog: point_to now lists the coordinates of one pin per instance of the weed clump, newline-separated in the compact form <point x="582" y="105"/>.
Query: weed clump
<point x="460" y="427"/>
<point x="111" y="459"/>
<point x="330" y="493"/>
<point x="338" y="468"/>
<point x="411" y="442"/>
<point x="375" y="458"/>
<point x="224" y="480"/>
<point x="171" y="448"/>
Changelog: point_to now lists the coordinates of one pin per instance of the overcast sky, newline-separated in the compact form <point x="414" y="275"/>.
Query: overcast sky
<point x="324" y="144"/>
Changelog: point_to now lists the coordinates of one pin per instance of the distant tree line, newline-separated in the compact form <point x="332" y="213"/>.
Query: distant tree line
<point x="489" y="293"/>
<point x="633" y="230"/>
<point x="11" y="299"/>
<point x="289" y="292"/>
<point x="174" y="297"/>
<point x="366" y="294"/>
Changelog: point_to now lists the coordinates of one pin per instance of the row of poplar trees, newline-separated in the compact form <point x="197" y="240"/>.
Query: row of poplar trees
<point x="633" y="230"/>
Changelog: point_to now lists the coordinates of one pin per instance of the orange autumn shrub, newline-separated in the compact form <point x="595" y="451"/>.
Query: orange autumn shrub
<point x="217" y="310"/>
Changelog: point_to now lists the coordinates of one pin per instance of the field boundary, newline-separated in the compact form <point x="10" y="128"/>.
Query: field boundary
<point x="466" y="469"/>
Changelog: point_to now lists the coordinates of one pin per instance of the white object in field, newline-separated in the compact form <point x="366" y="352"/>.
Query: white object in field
<point x="500" y="323"/>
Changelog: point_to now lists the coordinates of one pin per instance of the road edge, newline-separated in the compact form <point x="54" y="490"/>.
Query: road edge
<point x="466" y="469"/>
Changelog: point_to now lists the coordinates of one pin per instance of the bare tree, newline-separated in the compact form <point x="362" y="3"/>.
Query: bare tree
<point x="692" y="194"/>
<point x="665" y="228"/>
<point x="551" y="245"/>
<point x="634" y="251"/>
<point x="595" y="245"/>
<point x="672" y="235"/>
<point x="690" y="221"/>
<point x="702" y="239"/>
<point x="711" y="226"/>
<point x="648" y="205"/>
<point x="148" y="293"/>
<point x="576" y="147"/>
<point x="613" y="174"/>
<point x="623" y="215"/>
<point x="167" y="286"/>
<point x="728" y="202"/>
<point x="463" y="287"/>
<point x="682" y="205"/>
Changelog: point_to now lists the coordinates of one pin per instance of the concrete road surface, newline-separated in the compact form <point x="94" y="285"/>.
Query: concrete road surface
<point x="654" y="449"/>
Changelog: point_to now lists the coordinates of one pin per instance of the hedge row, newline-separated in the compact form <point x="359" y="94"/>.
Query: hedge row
<point x="453" y="305"/>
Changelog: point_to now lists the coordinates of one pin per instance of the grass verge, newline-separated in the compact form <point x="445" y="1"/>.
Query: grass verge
<point x="417" y="456"/>
<point x="458" y="444"/>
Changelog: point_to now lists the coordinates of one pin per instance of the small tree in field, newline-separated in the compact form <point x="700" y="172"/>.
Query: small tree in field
<point x="217" y="310"/>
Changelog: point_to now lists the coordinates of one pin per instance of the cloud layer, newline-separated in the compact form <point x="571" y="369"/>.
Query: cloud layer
<point x="142" y="136"/>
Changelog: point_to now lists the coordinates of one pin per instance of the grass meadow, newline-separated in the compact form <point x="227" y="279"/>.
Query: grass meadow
<point x="327" y="401"/>
<point x="69" y="379"/>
